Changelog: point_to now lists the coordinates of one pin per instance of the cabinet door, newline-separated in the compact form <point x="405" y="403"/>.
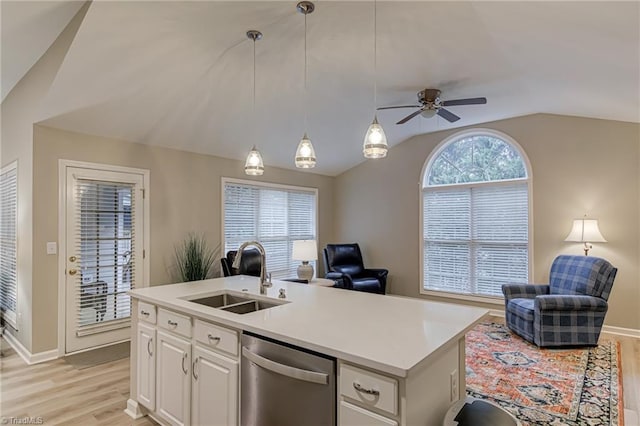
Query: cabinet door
<point x="352" y="415"/>
<point x="173" y="380"/>
<point x="146" y="363"/>
<point x="215" y="389"/>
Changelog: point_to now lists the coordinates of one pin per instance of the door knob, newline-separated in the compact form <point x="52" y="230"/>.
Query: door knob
<point x="73" y="271"/>
<point x="72" y="258"/>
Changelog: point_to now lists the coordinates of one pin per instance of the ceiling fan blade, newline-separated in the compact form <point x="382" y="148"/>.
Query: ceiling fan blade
<point x="409" y="117"/>
<point x="447" y="115"/>
<point x="400" y="106"/>
<point x="470" y="101"/>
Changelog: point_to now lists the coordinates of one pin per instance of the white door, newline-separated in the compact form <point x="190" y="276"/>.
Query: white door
<point x="215" y="389"/>
<point x="103" y="246"/>
<point x="146" y="368"/>
<point x="173" y="396"/>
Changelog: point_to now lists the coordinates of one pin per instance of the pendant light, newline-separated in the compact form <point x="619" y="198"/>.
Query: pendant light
<point x="305" y="154"/>
<point x="375" y="141"/>
<point x="254" y="166"/>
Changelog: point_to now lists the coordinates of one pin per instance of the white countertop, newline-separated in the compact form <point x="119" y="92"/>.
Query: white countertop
<point x="387" y="333"/>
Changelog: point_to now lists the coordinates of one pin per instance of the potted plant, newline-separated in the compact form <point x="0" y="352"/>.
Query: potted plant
<point x="195" y="259"/>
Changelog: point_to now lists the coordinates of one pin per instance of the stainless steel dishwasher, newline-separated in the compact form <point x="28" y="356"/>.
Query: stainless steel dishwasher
<point x="283" y="385"/>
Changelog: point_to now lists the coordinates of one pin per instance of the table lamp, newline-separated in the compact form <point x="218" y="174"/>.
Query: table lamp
<point x="305" y="250"/>
<point x="585" y="231"/>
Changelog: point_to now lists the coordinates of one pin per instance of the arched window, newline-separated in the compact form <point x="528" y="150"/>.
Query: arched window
<point x="475" y="215"/>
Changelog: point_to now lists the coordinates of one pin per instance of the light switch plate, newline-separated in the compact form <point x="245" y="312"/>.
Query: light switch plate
<point x="52" y="248"/>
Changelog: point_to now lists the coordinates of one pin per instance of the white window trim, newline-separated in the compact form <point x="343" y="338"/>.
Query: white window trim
<point x="11" y="317"/>
<point x="494" y="300"/>
<point x="224" y="180"/>
<point x="62" y="230"/>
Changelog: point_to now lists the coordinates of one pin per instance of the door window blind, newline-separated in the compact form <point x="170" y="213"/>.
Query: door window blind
<point x="475" y="238"/>
<point x="8" y="241"/>
<point x="274" y="216"/>
<point x="105" y="242"/>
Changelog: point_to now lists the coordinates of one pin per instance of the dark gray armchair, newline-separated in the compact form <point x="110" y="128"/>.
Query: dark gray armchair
<point x="343" y="264"/>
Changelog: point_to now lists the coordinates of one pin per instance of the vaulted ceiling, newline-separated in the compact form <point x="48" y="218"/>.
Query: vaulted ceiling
<point x="179" y="74"/>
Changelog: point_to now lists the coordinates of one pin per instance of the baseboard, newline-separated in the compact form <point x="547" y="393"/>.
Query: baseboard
<point x="134" y="410"/>
<point x="619" y="331"/>
<point x="27" y="356"/>
<point x="496" y="313"/>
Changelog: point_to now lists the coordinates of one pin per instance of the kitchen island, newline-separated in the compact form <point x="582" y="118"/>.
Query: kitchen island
<point x="400" y="361"/>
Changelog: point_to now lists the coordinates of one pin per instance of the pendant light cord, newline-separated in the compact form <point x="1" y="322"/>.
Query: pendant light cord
<point x="375" y="56"/>
<point x="305" y="73"/>
<point x="253" y="112"/>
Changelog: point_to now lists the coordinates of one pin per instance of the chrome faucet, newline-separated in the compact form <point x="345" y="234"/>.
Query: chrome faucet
<point x="264" y="284"/>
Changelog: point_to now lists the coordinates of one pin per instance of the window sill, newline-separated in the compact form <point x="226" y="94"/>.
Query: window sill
<point x="10" y="319"/>
<point x="492" y="300"/>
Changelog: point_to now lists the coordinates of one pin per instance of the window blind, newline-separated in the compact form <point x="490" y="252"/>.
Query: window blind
<point x="274" y="216"/>
<point x="105" y="243"/>
<point x="8" y="242"/>
<point x="475" y="238"/>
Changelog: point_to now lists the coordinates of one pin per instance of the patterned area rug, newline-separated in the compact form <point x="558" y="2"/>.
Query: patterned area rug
<point x="572" y="387"/>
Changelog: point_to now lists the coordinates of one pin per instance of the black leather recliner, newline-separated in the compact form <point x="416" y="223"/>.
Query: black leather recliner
<point x="343" y="264"/>
<point x="250" y="263"/>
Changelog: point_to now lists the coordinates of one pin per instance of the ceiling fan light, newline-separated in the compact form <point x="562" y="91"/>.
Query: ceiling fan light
<point x="305" y="154"/>
<point x="375" y="141"/>
<point x="254" y="166"/>
<point x="428" y="113"/>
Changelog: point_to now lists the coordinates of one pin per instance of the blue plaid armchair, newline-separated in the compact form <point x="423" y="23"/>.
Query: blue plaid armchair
<point x="570" y="310"/>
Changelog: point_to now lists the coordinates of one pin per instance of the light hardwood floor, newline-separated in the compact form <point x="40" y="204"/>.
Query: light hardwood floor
<point x="64" y="395"/>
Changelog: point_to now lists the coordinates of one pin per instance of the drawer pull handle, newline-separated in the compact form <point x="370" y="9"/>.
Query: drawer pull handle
<point x="193" y="370"/>
<point x="213" y="338"/>
<point x="144" y="313"/>
<point x="172" y="324"/>
<point x="184" y="357"/>
<point x="359" y="388"/>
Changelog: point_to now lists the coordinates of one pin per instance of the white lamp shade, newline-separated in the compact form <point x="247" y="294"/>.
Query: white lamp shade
<point x="375" y="141"/>
<point x="305" y="250"/>
<point x="585" y="231"/>
<point x="254" y="165"/>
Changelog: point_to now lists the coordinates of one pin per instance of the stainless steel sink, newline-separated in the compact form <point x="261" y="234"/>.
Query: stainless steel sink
<point x="220" y="300"/>
<point x="249" y="306"/>
<point x="236" y="303"/>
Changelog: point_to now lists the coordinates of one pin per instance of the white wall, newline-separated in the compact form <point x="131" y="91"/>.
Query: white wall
<point x="579" y="165"/>
<point x="18" y="111"/>
<point x="185" y="196"/>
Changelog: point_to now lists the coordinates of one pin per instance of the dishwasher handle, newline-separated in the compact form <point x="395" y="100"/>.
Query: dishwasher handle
<point x="285" y="370"/>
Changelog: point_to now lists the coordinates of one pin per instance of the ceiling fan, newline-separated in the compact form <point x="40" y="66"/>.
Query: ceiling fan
<point x="431" y="104"/>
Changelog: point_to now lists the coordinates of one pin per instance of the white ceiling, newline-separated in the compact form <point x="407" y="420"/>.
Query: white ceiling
<point x="179" y="74"/>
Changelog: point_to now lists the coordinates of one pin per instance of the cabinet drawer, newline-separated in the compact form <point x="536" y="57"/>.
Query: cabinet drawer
<point x="370" y="389"/>
<point x="175" y="322"/>
<point x="351" y="415"/>
<point x="147" y="312"/>
<point x="216" y="337"/>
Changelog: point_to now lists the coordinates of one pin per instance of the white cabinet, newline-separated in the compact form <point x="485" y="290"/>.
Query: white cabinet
<point x="146" y="366"/>
<point x="352" y="415"/>
<point x="214" y="389"/>
<point x="362" y="392"/>
<point x="173" y="391"/>
<point x="187" y="370"/>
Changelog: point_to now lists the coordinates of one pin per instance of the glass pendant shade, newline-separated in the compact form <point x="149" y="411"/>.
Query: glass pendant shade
<point x="428" y="113"/>
<point x="375" y="141"/>
<point x="305" y="154"/>
<point x="254" y="166"/>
